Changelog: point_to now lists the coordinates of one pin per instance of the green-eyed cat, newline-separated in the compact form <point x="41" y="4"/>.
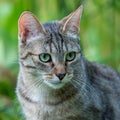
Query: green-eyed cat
<point x="55" y="81"/>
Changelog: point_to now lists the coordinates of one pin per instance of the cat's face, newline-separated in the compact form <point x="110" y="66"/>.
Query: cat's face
<point x="50" y="53"/>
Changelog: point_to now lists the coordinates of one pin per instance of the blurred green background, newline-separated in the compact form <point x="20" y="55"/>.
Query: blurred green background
<point x="100" y="38"/>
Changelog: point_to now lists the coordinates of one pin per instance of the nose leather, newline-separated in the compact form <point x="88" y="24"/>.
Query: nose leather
<point x="60" y="76"/>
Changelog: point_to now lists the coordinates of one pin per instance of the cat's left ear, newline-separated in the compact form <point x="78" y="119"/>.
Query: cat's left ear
<point x="71" y="23"/>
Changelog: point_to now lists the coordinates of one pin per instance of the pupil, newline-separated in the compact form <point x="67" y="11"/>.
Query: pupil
<point x="45" y="56"/>
<point x="70" y="55"/>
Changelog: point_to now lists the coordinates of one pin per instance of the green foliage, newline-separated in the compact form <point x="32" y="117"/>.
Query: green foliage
<point x="10" y="111"/>
<point x="100" y="33"/>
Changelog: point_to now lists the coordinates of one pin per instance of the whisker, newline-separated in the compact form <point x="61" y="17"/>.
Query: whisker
<point x="87" y="88"/>
<point x="30" y="88"/>
<point x="28" y="91"/>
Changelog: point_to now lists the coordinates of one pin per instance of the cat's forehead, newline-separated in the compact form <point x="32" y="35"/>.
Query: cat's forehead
<point x="54" y="41"/>
<point x="59" y="42"/>
<point x="57" y="48"/>
<point x="54" y="44"/>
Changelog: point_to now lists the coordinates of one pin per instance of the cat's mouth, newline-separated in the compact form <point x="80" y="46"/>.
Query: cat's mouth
<point x="54" y="82"/>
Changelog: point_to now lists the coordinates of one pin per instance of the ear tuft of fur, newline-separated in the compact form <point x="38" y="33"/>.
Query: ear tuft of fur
<point x="71" y="23"/>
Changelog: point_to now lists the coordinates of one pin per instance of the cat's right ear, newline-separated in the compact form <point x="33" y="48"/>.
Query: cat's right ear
<point x="29" y="27"/>
<point x="71" y="23"/>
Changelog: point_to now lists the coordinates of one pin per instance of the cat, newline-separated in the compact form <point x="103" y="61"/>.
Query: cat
<point x="56" y="81"/>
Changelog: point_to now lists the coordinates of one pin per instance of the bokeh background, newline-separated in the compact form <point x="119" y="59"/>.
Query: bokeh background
<point x="100" y="38"/>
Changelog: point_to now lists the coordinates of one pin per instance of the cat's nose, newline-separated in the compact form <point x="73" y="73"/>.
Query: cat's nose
<point x="61" y="76"/>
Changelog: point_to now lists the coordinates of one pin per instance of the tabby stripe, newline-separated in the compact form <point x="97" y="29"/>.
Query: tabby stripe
<point x="29" y="53"/>
<point x="28" y="66"/>
<point x="65" y="41"/>
<point x="50" y="43"/>
<point x="61" y="42"/>
<point x="52" y="40"/>
<point x="26" y="97"/>
<point x="58" y="41"/>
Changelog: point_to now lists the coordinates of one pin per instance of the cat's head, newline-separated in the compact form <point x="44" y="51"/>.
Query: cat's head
<point x="50" y="52"/>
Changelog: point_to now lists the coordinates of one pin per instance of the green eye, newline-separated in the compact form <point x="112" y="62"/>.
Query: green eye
<point x="70" y="56"/>
<point x="45" y="57"/>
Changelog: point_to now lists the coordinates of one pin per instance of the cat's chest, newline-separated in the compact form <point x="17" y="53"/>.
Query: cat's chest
<point x="65" y="111"/>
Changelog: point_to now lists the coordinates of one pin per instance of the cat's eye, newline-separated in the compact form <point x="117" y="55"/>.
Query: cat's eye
<point x="45" y="57"/>
<point x="70" y="56"/>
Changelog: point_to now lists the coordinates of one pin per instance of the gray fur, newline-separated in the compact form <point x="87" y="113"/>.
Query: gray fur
<point x="92" y="92"/>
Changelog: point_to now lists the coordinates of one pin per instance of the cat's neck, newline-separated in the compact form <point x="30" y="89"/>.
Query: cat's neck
<point x="54" y="97"/>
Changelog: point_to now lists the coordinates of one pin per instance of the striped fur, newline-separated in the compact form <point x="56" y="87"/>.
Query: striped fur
<point x="88" y="91"/>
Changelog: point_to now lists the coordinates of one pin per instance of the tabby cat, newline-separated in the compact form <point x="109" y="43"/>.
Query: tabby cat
<point x="55" y="80"/>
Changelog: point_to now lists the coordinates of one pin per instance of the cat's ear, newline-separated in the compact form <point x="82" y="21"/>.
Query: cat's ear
<point x="71" y="23"/>
<point x="28" y="27"/>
